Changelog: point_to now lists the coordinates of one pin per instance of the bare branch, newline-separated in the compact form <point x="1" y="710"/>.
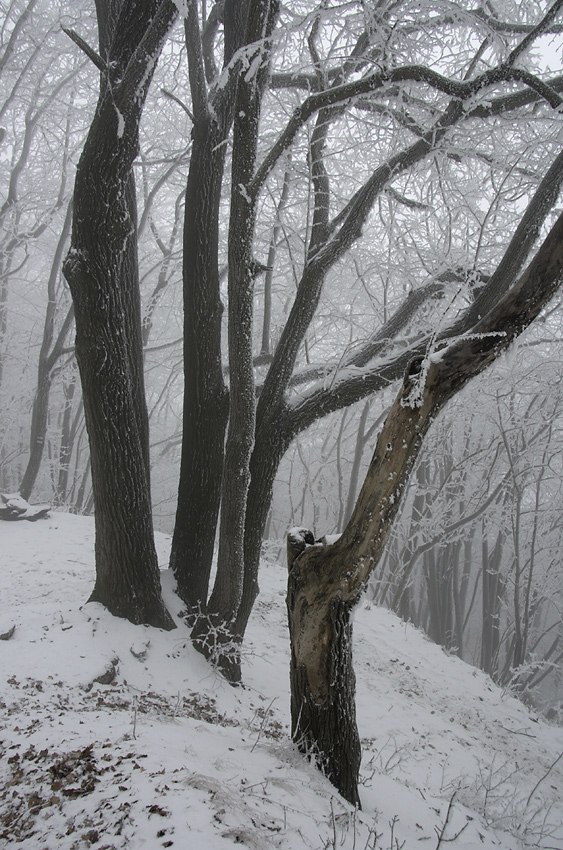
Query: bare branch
<point x="407" y="202"/>
<point x="508" y="26"/>
<point x="180" y="103"/>
<point x="459" y="90"/>
<point x="208" y="39"/>
<point x="520" y="245"/>
<point x="336" y="394"/>
<point x="85" y="47"/>
<point x="538" y="30"/>
<point x="17" y="28"/>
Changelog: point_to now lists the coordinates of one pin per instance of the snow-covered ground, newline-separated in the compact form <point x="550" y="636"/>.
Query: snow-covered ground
<point x="168" y="755"/>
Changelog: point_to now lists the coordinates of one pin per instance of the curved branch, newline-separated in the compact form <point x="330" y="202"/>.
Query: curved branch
<point x="361" y="382"/>
<point x="381" y="338"/>
<point x="509" y="27"/>
<point x="459" y="90"/>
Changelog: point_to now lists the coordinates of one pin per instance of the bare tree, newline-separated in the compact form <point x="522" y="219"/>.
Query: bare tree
<point x="395" y="152"/>
<point x="325" y="582"/>
<point x="40" y="77"/>
<point x="102" y="271"/>
<point x="422" y="107"/>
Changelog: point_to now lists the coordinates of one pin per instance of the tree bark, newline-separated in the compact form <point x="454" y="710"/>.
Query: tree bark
<point x="101" y="269"/>
<point x="325" y="582"/>
<point x="323" y="715"/>
<point x="227" y="591"/>
<point x="205" y="395"/>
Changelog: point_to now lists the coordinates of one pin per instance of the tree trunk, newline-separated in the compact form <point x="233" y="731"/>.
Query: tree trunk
<point x="325" y="582"/>
<point x="323" y="715"/>
<point x="66" y="441"/>
<point x="101" y="269"/>
<point x="48" y="357"/>
<point x="206" y="402"/>
<point x="205" y="395"/>
<point x="227" y="591"/>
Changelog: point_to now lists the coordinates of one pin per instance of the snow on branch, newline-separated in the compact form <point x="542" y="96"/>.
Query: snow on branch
<point x="459" y="90"/>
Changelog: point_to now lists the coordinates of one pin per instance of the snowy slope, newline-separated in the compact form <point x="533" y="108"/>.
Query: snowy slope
<point x="165" y="754"/>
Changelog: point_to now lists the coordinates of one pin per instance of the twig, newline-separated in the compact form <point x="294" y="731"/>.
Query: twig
<point x="517" y="731"/>
<point x="135" y="705"/>
<point x="442" y="832"/>
<point x="89" y="51"/>
<point x="180" y="103"/>
<point x="394" y="843"/>
<point x="539" y="782"/>
<point x="264" y="719"/>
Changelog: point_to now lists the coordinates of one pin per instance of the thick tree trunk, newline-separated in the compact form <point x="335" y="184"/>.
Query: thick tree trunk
<point x="205" y="395"/>
<point x="325" y="582"/>
<point x="101" y="269"/>
<point x="127" y="577"/>
<point x="323" y="714"/>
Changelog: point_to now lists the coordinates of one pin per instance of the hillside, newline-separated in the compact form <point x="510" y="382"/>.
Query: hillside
<point x="165" y="754"/>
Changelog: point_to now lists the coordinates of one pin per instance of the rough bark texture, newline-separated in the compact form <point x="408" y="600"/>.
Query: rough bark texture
<point x="101" y="269"/>
<point x="205" y="395"/>
<point x="323" y="721"/>
<point x="227" y="592"/>
<point x="325" y="582"/>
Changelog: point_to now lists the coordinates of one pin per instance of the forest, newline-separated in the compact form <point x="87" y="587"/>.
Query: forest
<point x="245" y="246"/>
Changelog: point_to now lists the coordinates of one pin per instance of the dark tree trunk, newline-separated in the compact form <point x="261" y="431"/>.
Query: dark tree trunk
<point x="67" y="440"/>
<point x="227" y="592"/>
<point x="492" y="595"/>
<point x="272" y="441"/>
<point x="205" y="395"/>
<point x="101" y="269"/>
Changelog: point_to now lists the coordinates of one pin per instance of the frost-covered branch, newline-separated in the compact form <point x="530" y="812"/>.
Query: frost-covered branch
<point x="459" y="90"/>
<point x="356" y="384"/>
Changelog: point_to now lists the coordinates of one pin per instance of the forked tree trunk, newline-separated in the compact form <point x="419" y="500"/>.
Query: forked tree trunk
<point x="225" y="599"/>
<point x="206" y="401"/>
<point x="102" y="272"/>
<point x="325" y="582"/>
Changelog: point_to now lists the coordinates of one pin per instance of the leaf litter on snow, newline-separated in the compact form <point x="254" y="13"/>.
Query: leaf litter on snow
<point x="116" y="736"/>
